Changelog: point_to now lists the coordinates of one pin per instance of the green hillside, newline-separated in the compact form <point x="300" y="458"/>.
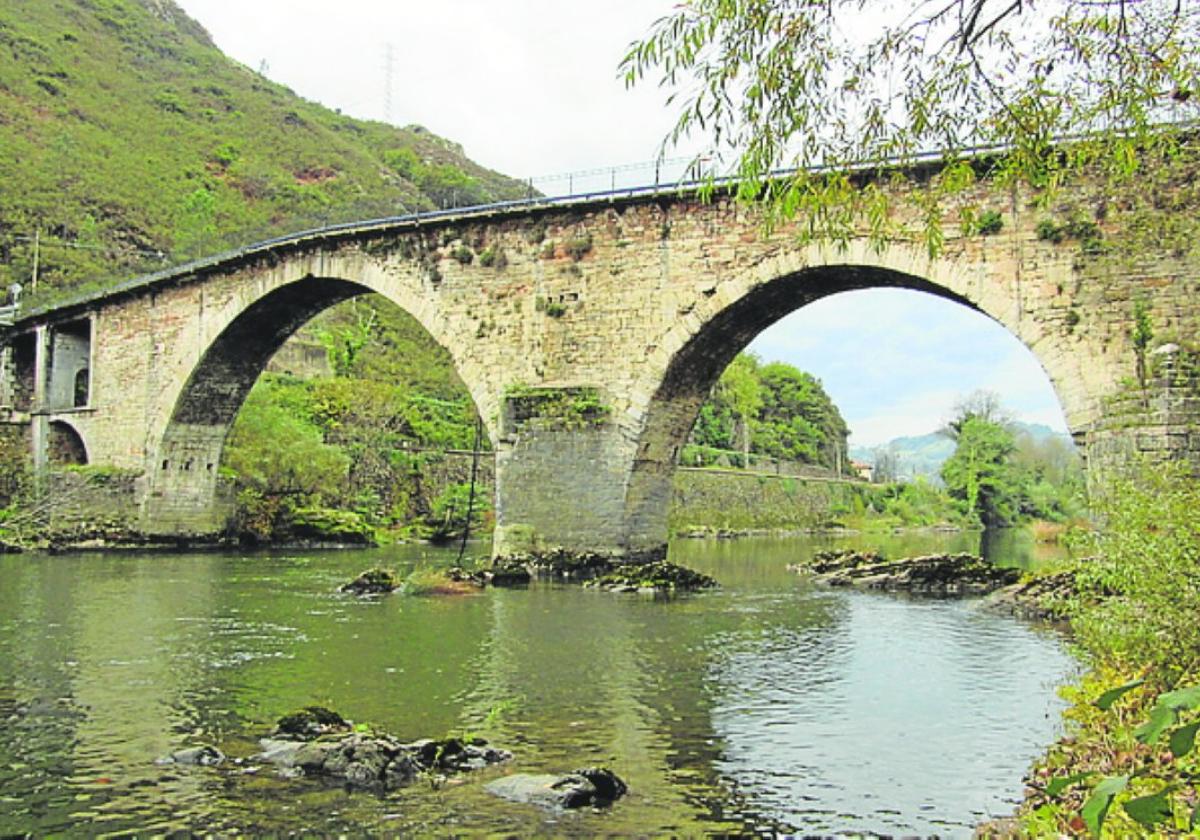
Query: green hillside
<point x="125" y="133"/>
<point x="128" y="140"/>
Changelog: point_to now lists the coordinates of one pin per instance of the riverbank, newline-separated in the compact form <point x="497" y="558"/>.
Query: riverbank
<point x="93" y="509"/>
<point x="1128" y="764"/>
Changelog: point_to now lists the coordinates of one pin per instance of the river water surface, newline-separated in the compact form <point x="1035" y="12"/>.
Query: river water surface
<point x="766" y="706"/>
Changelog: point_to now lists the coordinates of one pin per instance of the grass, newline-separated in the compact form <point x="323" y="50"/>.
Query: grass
<point x="128" y="133"/>
<point x="431" y="582"/>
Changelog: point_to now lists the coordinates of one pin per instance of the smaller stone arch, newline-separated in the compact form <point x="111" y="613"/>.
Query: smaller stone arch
<point x="65" y="445"/>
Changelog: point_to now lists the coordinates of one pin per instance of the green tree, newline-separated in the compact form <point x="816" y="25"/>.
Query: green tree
<point x="798" y="420"/>
<point x="281" y="454"/>
<point x="778" y="84"/>
<point x="740" y="388"/>
<point x="979" y="472"/>
<point x="774" y="410"/>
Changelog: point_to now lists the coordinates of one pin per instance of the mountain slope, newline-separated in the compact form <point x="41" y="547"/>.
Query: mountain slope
<point x="125" y="132"/>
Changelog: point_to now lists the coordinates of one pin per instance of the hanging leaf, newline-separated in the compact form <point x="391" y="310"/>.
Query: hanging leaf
<point x="1153" y="809"/>
<point x="1180" y="699"/>
<point x="1194" y="822"/>
<point x="1055" y="787"/>
<point x="1105" y="700"/>
<point x="1096" y="808"/>
<point x="1160" y="718"/>
<point x="1183" y="739"/>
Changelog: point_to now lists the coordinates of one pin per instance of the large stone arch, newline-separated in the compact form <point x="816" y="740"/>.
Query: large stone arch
<point x="211" y="374"/>
<point x="691" y="356"/>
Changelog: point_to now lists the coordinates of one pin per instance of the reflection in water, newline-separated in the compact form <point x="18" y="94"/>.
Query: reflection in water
<point x="765" y="705"/>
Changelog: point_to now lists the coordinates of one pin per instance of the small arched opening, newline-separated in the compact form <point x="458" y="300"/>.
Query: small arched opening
<point x="83" y="383"/>
<point x="65" y="445"/>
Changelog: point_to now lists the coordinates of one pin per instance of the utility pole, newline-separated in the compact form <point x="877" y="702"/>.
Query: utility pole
<point x="388" y="64"/>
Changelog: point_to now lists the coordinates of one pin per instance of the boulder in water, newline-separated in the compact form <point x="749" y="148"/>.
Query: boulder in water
<point x="935" y="574"/>
<point x="309" y="723"/>
<point x="318" y="742"/>
<point x="202" y="756"/>
<point x="658" y="576"/>
<point x="373" y="582"/>
<point x="589" y="786"/>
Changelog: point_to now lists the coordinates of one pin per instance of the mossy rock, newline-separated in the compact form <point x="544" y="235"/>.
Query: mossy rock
<point x="310" y="722"/>
<point x="373" y="582"/>
<point x="659" y="576"/>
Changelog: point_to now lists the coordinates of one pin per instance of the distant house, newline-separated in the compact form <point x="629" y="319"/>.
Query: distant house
<point x="863" y="470"/>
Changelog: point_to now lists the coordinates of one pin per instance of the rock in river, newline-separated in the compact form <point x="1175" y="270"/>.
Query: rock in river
<point x="1044" y="597"/>
<point x="203" y="756"/>
<point x="313" y="743"/>
<point x="659" y="576"/>
<point x="937" y="574"/>
<point x="373" y="582"/>
<point x="310" y="722"/>
<point x="589" y="786"/>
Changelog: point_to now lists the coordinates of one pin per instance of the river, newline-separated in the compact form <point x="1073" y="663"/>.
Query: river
<point x="766" y="706"/>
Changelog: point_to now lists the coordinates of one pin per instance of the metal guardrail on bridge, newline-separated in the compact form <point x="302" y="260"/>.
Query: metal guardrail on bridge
<point x="664" y="177"/>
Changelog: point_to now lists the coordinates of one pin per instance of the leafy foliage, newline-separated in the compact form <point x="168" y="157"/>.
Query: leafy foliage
<point x="394" y="395"/>
<point x="979" y="473"/>
<point x="449" y="513"/>
<point x="773" y="410"/>
<point x="1003" y="478"/>
<point x="776" y="84"/>
<point x="1138" y="713"/>
<point x="1148" y="558"/>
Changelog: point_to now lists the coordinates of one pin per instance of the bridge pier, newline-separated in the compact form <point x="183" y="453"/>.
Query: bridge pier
<point x="184" y="496"/>
<point x="562" y="478"/>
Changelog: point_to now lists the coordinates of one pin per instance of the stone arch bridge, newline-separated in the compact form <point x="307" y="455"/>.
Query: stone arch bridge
<point x="588" y="333"/>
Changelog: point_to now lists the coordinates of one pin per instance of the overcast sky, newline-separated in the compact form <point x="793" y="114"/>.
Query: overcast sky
<point x="530" y="88"/>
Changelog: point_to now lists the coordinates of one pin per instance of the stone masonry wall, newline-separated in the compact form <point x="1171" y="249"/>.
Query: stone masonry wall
<point x="643" y="302"/>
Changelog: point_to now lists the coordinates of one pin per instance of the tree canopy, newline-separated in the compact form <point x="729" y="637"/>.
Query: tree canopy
<point x="1002" y="476"/>
<point x="866" y="84"/>
<point x="774" y="410"/>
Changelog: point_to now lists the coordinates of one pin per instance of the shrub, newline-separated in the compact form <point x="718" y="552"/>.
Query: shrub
<point x="989" y="222"/>
<point x="578" y="246"/>
<point x="1049" y="231"/>
<point x="1139" y="600"/>
<point x="493" y="257"/>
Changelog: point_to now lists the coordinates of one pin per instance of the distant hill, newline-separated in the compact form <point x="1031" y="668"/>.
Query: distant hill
<point x="125" y="132"/>
<point x="924" y="455"/>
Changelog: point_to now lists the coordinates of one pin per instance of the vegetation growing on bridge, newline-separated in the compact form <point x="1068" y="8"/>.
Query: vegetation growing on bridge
<point x="776" y="85"/>
<point x="554" y="408"/>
